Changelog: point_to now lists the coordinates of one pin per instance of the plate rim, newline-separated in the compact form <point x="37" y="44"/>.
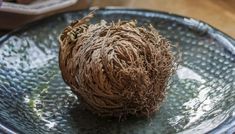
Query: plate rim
<point x="226" y="40"/>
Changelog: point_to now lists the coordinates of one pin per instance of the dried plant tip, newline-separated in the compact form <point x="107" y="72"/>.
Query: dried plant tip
<point x="117" y="69"/>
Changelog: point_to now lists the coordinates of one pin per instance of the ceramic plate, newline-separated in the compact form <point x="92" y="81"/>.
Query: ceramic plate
<point x="37" y="7"/>
<point x="34" y="99"/>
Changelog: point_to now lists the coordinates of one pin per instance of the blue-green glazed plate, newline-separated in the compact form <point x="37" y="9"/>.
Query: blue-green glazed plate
<point x="35" y="100"/>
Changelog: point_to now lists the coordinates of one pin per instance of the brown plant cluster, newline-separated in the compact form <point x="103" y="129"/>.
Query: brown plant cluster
<point x="117" y="69"/>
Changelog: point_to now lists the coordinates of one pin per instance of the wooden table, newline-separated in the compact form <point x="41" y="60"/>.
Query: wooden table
<point x="218" y="13"/>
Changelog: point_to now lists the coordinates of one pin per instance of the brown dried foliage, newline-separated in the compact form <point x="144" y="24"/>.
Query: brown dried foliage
<point x="117" y="69"/>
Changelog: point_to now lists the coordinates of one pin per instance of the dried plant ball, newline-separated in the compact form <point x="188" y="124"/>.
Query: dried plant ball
<point x="117" y="69"/>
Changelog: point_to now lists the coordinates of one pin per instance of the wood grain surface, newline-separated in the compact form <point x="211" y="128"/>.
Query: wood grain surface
<point x="218" y="13"/>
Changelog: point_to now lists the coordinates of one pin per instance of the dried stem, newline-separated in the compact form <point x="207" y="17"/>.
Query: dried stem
<point x="116" y="68"/>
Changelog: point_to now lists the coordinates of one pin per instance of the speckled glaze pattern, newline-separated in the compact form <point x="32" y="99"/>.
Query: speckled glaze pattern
<point x="34" y="99"/>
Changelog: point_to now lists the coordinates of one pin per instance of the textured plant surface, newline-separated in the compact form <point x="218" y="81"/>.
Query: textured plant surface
<point x="117" y="69"/>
